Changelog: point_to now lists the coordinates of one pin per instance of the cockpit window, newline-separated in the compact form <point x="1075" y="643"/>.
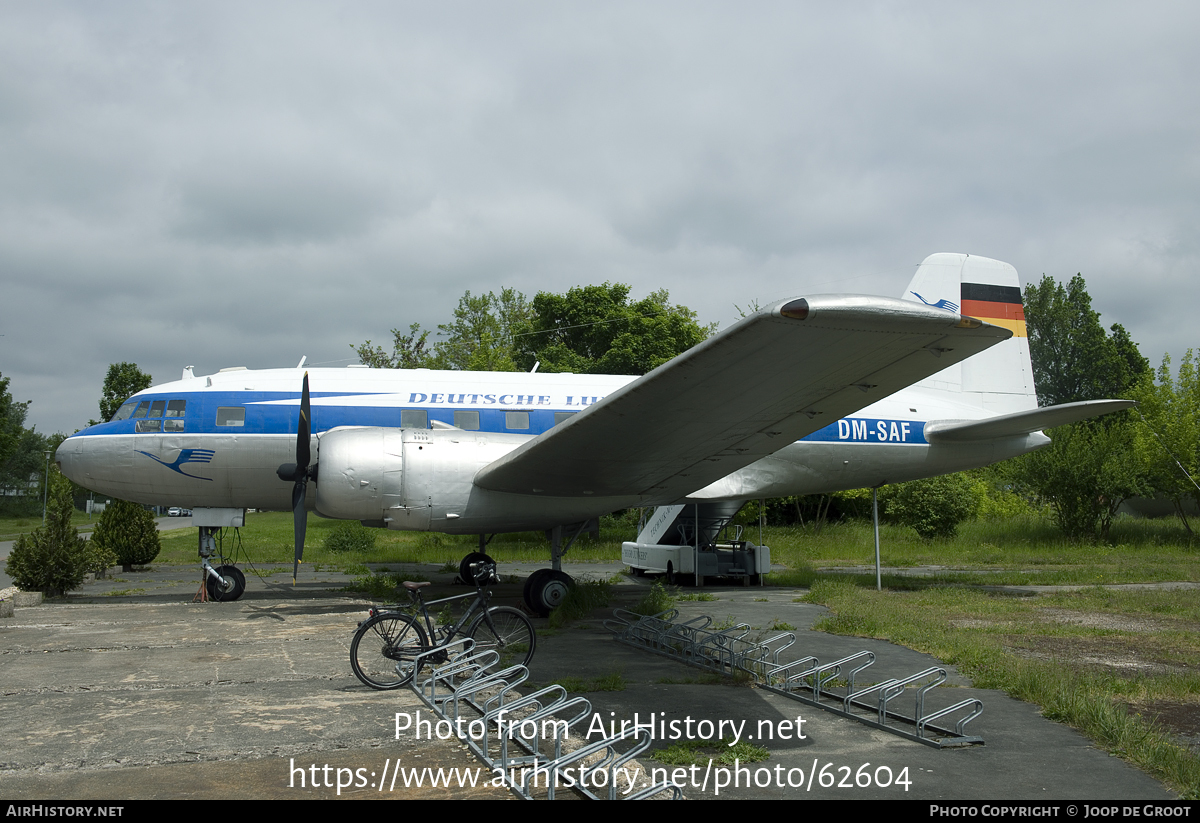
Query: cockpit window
<point x="125" y="410"/>
<point x="175" y="408"/>
<point x="142" y="408"/>
<point x="156" y="408"/>
<point x="231" y="416"/>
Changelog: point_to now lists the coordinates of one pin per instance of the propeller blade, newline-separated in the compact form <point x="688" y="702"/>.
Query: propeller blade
<point x="303" y="429"/>
<point x="303" y="455"/>
<point x="299" y="522"/>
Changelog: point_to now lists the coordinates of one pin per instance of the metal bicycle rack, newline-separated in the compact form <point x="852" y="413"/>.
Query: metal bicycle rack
<point x="508" y="730"/>
<point x="828" y="686"/>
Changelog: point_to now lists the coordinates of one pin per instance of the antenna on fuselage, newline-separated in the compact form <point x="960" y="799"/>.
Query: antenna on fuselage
<point x="300" y="365"/>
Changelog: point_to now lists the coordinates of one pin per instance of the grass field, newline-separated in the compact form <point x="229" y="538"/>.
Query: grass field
<point x="10" y="527"/>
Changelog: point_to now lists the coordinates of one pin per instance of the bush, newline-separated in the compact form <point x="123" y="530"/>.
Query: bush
<point x="350" y="536"/>
<point x="52" y="559"/>
<point x="128" y="531"/>
<point x="99" y="558"/>
<point x="934" y="506"/>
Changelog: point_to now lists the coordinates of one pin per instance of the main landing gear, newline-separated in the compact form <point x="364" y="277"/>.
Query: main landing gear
<point x="546" y="589"/>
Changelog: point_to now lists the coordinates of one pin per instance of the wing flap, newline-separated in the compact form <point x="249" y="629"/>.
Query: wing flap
<point x="747" y="392"/>
<point x="1019" y="423"/>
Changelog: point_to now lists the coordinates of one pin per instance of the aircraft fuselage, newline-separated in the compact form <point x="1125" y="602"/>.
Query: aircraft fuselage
<point x="399" y="448"/>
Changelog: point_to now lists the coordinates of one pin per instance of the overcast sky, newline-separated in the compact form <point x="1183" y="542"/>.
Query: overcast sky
<point x="220" y="184"/>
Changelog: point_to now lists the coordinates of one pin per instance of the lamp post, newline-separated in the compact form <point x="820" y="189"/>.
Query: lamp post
<point x="46" y="488"/>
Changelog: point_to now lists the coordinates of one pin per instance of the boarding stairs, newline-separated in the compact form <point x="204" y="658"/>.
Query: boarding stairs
<point x="687" y="539"/>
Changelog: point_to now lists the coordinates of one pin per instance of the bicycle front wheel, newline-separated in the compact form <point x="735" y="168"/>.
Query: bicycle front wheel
<point x="383" y="650"/>
<point x="509" y="632"/>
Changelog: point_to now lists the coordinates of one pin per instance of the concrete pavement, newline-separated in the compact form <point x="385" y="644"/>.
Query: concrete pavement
<point x="127" y="690"/>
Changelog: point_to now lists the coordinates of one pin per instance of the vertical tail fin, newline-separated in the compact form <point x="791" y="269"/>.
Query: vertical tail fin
<point x="1001" y="378"/>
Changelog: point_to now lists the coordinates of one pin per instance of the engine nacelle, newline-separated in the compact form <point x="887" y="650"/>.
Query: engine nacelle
<point x="409" y="479"/>
<point x="360" y="472"/>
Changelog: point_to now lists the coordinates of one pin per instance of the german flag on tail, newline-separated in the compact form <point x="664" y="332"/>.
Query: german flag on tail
<point x="998" y="305"/>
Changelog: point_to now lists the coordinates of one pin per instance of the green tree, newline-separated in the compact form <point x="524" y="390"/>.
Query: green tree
<point x="1086" y="473"/>
<point x="590" y="329"/>
<point x="408" y="351"/>
<point x="1073" y="357"/>
<point x="1170" y="439"/>
<point x="122" y="382"/>
<point x="129" y="532"/>
<point x="481" y="336"/>
<point x="23" y="475"/>
<point x="22" y="457"/>
<point x="52" y="559"/>
<point x="933" y="506"/>
<point x="1089" y="468"/>
<point x="12" y="421"/>
<point x="599" y="330"/>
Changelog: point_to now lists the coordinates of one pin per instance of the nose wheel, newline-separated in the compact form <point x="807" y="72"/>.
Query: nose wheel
<point x="235" y="583"/>
<point x="546" y="589"/>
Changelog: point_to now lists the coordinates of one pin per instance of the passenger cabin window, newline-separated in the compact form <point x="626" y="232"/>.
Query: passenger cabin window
<point x="562" y="417"/>
<point x="231" y="415"/>
<point x="516" y="420"/>
<point x="414" y="419"/>
<point x="468" y="420"/>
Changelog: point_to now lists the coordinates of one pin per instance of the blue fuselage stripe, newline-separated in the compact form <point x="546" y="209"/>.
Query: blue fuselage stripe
<point x="277" y="412"/>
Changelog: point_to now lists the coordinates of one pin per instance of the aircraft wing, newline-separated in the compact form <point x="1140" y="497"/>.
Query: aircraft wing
<point x="1014" y="425"/>
<point x="776" y="376"/>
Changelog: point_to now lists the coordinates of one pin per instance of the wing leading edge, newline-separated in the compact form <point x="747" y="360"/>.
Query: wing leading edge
<point x="776" y="376"/>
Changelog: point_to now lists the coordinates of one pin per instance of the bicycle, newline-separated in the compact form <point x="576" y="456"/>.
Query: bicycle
<point x="386" y="643"/>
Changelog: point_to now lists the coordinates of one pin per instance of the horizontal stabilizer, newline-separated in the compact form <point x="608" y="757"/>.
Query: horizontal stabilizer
<point x="1014" y="425"/>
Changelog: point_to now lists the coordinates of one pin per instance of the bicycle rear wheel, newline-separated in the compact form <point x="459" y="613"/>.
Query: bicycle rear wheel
<point x="383" y="650"/>
<point x="509" y="632"/>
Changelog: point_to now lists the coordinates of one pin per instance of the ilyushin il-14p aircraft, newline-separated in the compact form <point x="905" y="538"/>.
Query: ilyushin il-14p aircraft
<point x="808" y="395"/>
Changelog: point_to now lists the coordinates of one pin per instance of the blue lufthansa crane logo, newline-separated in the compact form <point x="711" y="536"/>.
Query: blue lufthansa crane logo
<point x="941" y="304"/>
<point x="185" y="456"/>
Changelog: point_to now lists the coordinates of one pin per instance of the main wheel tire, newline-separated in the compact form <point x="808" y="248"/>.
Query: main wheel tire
<point x="555" y="591"/>
<point x="383" y="649"/>
<point x="510" y="634"/>
<point x="464" y="566"/>
<point x="233" y="576"/>
<point x="534" y="584"/>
